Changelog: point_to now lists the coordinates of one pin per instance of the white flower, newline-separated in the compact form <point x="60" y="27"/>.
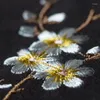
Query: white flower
<point x="27" y="60"/>
<point x="68" y="74"/>
<point x="58" y="17"/>
<point x="27" y="15"/>
<point x="26" y="31"/>
<point x="94" y="50"/>
<point x="64" y="41"/>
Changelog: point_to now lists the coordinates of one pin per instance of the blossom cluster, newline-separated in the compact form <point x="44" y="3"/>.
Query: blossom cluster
<point x="44" y="56"/>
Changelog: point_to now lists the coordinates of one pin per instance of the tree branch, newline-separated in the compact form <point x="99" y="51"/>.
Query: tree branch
<point x="15" y="88"/>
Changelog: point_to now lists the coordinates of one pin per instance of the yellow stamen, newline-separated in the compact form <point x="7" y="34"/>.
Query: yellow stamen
<point x="61" y="74"/>
<point x="58" y="41"/>
<point x="31" y="59"/>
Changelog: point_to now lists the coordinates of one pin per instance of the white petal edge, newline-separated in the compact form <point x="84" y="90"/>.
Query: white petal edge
<point x="4" y="86"/>
<point x="73" y="48"/>
<point x="49" y="84"/>
<point x="73" y="83"/>
<point x="93" y="50"/>
<point x="38" y="47"/>
<point x="73" y="63"/>
<point x="58" y="17"/>
<point x="19" y="69"/>
<point x="23" y="52"/>
<point x="10" y="60"/>
<point x="46" y="35"/>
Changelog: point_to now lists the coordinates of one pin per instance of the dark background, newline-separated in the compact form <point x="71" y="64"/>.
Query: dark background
<point x="11" y="42"/>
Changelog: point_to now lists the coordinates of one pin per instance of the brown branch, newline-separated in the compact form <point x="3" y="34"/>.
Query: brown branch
<point x="88" y="20"/>
<point x="36" y="31"/>
<point x="94" y="57"/>
<point x="15" y="88"/>
<point x="96" y="17"/>
<point x="42" y="13"/>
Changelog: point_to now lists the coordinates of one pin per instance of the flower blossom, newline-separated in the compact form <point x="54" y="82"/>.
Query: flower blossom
<point x="27" y="60"/>
<point x="68" y="74"/>
<point x="65" y="41"/>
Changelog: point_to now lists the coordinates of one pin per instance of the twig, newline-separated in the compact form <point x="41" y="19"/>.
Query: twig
<point x="42" y="13"/>
<point x="91" y="17"/>
<point x="88" y="20"/>
<point x="15" y="88"/>
<point x="96" y="17"/>
<point x="94" y="57"/>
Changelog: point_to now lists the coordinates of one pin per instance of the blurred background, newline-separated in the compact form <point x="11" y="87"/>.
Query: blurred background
<point x="10" y="42"/>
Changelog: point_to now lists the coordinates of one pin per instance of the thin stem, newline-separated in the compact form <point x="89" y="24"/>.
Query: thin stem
<point x="88" y="20"/>
<point x="94" y="57"/>
<point x="15" y="88"/>
<point x="96" y="17"/>
<point x="42" y="14"/>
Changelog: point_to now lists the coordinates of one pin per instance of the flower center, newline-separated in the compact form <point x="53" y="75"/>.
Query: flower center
<point x="62" y="74"/>
<point x="30" y="59"/>
<point x="58" y="41"/>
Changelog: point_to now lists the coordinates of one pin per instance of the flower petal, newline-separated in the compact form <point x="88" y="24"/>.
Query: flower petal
<point x="19" y="68"/>
<point x="93" y="50"/>
<point x="80" y="38"/>
<point x="49" y="84"/>
<point x="51" y="58"/>
<point x="58" y="17"/>
<point x="85" y="71"/>
<point x="73" y="48"/>
<point x="38" y="46"/>
<point x="11" y="61"/>
<point x="73" y="63"/>
<point x="46" y="35"/>
<point x="73" y="83"/>
<point x="40" y="75"/>
<point x="23" y="52"/>
<point x="28" y="15"/>
<point x="68" y="32"/>
<point x="40" y="67"/>
<point x="26" y="31"/>
<point x="53" y="51"/>
<point x="4" y="86"/>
